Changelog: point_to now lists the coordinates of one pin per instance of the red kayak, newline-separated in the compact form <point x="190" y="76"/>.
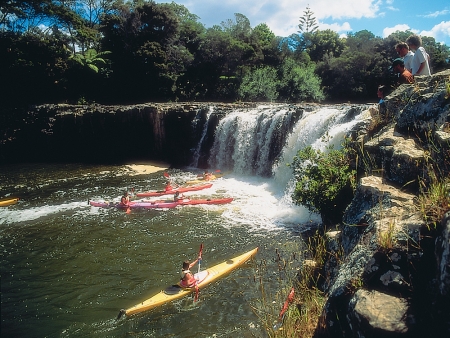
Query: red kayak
<point x="135" y="205"/>
<point x="173" y="191"/>
<point x="160" y="204"/>
<point x="187" y="201"/>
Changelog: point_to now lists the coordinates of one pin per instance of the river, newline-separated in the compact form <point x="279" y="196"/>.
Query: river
<point x="68" y="268"/>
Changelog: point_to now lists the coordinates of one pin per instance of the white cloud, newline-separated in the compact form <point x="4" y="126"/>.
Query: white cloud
<point x="394" y="9"/>
<point x="389" y="30"/>
<point x="339" y="28"/>
<point x="436" y="14"/>
<point x="348" y="9"/>
<point x="281" y="16"/>
<point x="440" y="32"/>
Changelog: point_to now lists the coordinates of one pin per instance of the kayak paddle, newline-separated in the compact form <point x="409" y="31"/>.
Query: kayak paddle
<point x="199" y="263"/>
<point x="289" y="300"/>
<point x="200" y="256"/>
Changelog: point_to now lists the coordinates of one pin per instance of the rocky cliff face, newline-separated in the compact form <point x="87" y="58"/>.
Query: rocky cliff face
<point x="95" y="133"/>
<point x="393" y="279"/>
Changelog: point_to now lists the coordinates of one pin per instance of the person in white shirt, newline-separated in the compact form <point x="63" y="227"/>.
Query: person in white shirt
<point x="420" y="64"/>
<point x="404" y="52"/>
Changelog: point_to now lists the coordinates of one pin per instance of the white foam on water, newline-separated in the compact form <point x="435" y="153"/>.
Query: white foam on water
<point x="16" y="214"/>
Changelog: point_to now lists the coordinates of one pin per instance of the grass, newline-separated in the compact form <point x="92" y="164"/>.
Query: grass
<point x="434" y="200"/>
<point x="386" y="238"/>
<point x="301" y="269"/>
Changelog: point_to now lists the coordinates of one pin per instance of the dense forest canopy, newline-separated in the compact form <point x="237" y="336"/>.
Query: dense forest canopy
<point x="116" y="51"/>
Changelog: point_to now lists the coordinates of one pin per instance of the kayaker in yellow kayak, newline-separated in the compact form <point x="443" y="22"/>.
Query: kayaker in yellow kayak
<point x="187" y="278"/>
<point x="207" y="176"/>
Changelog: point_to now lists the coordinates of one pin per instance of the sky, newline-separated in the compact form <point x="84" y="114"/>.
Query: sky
<point x="381" y="17"/>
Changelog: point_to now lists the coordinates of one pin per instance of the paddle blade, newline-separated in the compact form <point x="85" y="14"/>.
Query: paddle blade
<point x="128" y="210"/>
<point x="166" y="175"/>
<point x="289" y="300"/>
<point x="200" y="257"/>
<point x="196" y="293"/>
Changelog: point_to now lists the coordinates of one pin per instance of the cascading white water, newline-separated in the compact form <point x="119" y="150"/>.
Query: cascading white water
<point x="244" y="139"/>
<point x="325" y="126"/>
<point x="196" y="154"/>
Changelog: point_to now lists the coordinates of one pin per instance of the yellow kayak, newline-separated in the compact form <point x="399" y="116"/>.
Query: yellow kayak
<point x="8" y="201"/>
<point x="204" y="278"/>
<point x="210" y="177"/>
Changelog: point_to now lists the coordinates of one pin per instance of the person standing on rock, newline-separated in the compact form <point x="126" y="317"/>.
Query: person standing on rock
<point x="420" y="64"/>
<point x="404" y="52"/>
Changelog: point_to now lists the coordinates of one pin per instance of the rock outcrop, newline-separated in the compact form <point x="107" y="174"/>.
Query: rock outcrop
<point x="394" y="275"/>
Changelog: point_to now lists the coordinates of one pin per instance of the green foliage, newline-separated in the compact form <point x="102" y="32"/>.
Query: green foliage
<point x="324" y="181"/>
<point x="91" y="59"/>
<point x="160" y="51"/>
<point x="298" y="82"/>
<point x="322" y="43"/>
<point x="352" y="75"/>
<point x="259" y="85"/>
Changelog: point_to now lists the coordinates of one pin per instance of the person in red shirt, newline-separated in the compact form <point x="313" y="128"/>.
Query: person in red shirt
<point x="125" y="200"/>
<point x="168" y="186"/>
<point x="404" y="76"/>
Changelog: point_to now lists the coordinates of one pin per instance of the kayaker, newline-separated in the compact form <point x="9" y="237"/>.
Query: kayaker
<point x="178" y="197"/>
<point x="168" y="186"/>
<point x="207" y="176"/>
<point x="187" y="278"/>
<point x="125" y="200"/>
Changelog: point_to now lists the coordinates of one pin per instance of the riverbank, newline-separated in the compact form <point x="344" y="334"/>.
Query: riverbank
<point x="386" y="267"/>
<point x="143" y="168"/>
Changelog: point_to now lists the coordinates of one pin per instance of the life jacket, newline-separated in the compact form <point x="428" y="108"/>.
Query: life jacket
<point x="125" y="200"/>
<point x="187" y="283"/>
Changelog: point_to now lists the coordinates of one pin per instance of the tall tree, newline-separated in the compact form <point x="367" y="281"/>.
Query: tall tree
<point x="140" y="39"/>
<point x="308" y="22"/>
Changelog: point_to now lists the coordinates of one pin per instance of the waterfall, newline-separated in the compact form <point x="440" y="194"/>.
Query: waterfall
<point x="325" y="126"/>
<point x="261" y="141"/>
<point x="195" y="122"/>
<point x="245" y="140"/>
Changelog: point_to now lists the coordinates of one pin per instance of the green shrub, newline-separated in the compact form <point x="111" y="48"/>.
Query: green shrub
<point x="259" y="85"/>
<point x="324" y="181"/>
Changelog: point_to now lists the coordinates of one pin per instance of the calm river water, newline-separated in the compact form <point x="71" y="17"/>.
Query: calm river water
<point x="68" y="268"/>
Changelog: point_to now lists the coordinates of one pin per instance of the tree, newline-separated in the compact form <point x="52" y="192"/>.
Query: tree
<point x="439" y="54"/>
<point x="308" y="23"/>
<point x="34" y="64"/>
<point x="298" y="82"/>
<point x="324" y="181"/>
<point x="321" y="43"/>
<point x="142" y="40"/>
<point x="259" y="85"/>
<point x="239" y="29"/>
